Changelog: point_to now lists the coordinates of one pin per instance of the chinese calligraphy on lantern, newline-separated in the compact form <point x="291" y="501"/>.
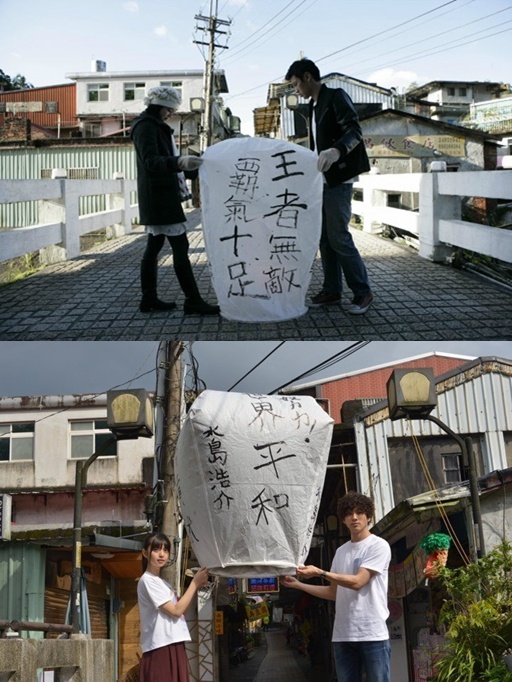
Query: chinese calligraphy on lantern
<point x="261" y="203"/>
<point x="250" y="471"/>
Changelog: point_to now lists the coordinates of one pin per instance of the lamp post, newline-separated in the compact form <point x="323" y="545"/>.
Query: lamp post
<point x="129" y="416"/>
<point x="197" y="106"/>
<point x="412" y="393"/>
<point x="292" y="103"/>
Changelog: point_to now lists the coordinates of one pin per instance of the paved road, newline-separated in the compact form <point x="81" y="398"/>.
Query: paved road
<point x="96" y="297"/>
<point x="275" y="662"/>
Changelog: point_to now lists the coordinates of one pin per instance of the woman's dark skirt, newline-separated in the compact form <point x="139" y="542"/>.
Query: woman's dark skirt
<point x="166" y="664"/>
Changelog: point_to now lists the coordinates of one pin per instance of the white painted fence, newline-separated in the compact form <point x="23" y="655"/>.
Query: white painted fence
<point x="57" y="233"/>
<point x="438" y="224"/>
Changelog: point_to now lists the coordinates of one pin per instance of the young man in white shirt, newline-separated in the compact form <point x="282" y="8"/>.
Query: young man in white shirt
<point x="358" y="583"/>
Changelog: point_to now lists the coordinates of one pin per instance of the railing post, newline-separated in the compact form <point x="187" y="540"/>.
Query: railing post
<point x="433" y="208"/>
<point x="64" y="211"/>
<point x="119" y="200"/>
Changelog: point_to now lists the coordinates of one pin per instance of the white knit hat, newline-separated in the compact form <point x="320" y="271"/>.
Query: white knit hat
<point x="163" y="96"/>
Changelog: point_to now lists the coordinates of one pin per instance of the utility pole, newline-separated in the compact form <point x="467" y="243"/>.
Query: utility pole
<point x="211" y="24"/>
<point x="172" y="412"/>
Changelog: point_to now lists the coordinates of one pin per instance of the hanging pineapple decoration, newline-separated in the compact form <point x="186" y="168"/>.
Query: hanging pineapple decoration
<point x="436" y="546"/>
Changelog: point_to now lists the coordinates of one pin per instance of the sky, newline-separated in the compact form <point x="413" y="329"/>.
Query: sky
<point x="75" y="367"/>
<point x="392" y="43"/>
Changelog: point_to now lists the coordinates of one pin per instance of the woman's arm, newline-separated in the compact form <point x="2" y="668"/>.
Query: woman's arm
<point x="177" y="610"/>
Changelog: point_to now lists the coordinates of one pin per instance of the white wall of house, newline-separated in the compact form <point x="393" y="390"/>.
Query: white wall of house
<point x="52" y="465"/>
<point x="191" y="86"/>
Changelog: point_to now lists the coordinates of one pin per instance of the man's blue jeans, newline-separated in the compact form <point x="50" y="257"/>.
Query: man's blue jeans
<point x="337" y="249"/>
<point x="352" y="658"/>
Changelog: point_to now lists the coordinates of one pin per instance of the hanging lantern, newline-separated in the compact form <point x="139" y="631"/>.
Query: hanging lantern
<point x="436" y="546"/>
<point x="250" y="471"/>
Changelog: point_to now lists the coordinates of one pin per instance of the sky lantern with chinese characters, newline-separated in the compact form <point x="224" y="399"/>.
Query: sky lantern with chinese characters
<point x="250" y="471"/>
<point x="436" y="546"/>
<point x="261" y="210"/>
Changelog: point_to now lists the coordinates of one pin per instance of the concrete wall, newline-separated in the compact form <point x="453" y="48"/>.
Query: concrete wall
<point x="79" y="659"/>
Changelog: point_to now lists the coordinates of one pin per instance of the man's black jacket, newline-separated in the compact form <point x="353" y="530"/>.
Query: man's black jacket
<point x="337" y="125"/>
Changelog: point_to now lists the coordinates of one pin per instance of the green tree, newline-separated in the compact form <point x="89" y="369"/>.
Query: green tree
<point x="19" y="82"/>
<point x="477" y="612"/>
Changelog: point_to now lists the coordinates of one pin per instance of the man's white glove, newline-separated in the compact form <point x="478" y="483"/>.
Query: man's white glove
<point x="327" y="158"/>
<point x="189" y="163"/>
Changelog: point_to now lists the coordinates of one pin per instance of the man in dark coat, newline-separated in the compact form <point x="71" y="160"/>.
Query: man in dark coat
<point x="161" y="187"/>
<point x="334" y="126"/>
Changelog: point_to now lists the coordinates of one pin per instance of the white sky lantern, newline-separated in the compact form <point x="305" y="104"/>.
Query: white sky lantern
<point x="261" y="213"/>
<point x="250" y="471"/>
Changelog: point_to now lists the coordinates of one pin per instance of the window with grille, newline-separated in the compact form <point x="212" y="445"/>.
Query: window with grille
<point x="97" y="92"/>
<point x="133" y="91"/>
<point x="451" y="468"/>
<point x="16" y="442"/>
<point x="74" y="173"/>
<point x="87" y="437"/>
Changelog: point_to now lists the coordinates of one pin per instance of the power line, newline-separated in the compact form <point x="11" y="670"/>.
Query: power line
<point x="375" y="35"/>
<point x="248" y="38"/>
<point x="400" y="61"/>
<point x="440" y="48"/>
<point x="257" y="365"/>
<point x="337" y="357"/>
<point x="438" y="35"/>
<point x="256" y="44"/>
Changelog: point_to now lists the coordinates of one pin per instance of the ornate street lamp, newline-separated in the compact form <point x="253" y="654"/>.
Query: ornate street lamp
<point x="129" y="416"/>
<point x="292" y="103"/>
<point x="412" y="393"/>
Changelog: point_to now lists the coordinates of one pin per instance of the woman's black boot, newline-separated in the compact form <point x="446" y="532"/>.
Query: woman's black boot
<point x="194" y="304"/>
<point x="148" y="281"/>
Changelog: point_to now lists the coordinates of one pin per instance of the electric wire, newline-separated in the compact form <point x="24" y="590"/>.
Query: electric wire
<point x="248" y="38"/>
<point x="257" y="365"/>
<point x="337" y="357"/>
<point x="403" y="59"/>
<point x="430" y="37"/>
<point x="268" y="36"/>
<point x="93" y="396"/>
<point x="376" y="35"/>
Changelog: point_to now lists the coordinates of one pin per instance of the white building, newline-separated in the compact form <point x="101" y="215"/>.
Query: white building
<point x="108" y="101"/>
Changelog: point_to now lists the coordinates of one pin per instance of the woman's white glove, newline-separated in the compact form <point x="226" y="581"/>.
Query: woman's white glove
<point x="189" y="163"/>
<point x="327" y="158"/>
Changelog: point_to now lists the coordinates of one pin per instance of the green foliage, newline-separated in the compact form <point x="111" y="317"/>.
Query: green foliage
<point x="19" y="82"/>
<point x="477" y="612"/>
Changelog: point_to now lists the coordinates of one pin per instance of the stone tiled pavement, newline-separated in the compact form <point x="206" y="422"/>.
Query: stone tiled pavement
<point x="95" y="297"/>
